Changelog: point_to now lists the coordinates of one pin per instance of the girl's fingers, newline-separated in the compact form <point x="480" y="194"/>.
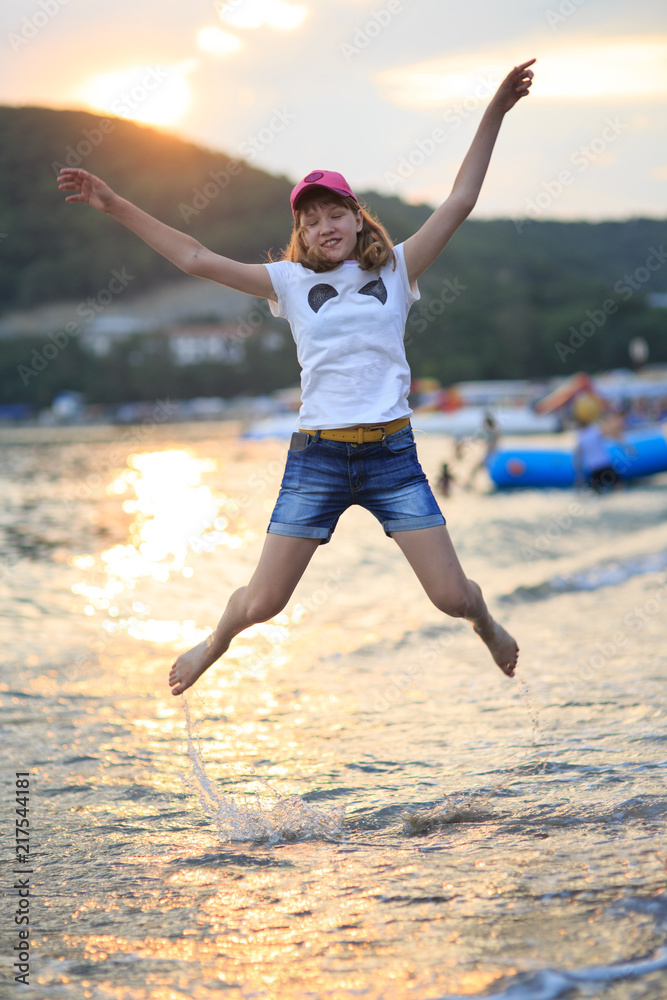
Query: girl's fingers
<point x="523" y="86"/>
<point x="71" y="175"/>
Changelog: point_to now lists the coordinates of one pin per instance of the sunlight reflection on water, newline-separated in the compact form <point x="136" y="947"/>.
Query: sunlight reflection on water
<point x="175" y="516"/>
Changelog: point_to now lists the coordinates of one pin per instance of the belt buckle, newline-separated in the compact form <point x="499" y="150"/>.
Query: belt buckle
<point x="380" y="427"/>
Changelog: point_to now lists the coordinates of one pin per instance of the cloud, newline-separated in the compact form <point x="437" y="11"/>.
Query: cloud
<point x="626" y="68"/>
<point x="439" y="82"/>
<point x="629" y="67"/>
<point x="217" y="42"/>
<point x="276" y="14"/>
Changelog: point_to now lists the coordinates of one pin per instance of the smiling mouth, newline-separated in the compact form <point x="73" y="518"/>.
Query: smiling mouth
<point x="329" y="244"/>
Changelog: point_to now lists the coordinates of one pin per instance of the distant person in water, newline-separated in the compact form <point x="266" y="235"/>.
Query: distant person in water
<point x="445" y="480"/>
<point x="592" y="458"/>
<point x="346" y="291"/>
<point x="490" y="435"/>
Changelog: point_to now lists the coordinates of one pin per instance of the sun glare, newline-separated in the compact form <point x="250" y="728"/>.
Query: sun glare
<point x="276" y="14"/>
<point x="628" y="68"/>
<point x="155" y="95"/>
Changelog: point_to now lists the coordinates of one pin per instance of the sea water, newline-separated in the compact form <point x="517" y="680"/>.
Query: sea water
<point x="356" y="802"/>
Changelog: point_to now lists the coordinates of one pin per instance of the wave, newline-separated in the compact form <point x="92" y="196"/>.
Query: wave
<point x="551" y="984"/>
<point x="609" y="573"/>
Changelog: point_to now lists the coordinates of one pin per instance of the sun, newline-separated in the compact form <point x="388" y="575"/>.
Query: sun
<point x="154" y="95"/>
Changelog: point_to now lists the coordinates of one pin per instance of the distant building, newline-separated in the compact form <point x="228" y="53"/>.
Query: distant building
<point x="104" y="332"/>
<point x="198" y="343"/>
<point x="189" y="343"/>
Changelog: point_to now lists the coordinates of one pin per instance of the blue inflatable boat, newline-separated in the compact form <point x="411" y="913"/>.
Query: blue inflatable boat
<point x="642" y="453"/>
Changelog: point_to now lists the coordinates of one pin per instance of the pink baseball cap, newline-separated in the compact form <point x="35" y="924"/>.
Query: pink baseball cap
<point x="329" y="179"/>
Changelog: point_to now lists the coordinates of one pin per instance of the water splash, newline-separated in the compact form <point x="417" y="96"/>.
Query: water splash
<point x="239" y="819"/>
<point x="473" y="806"/>
<point x="462" y="808"/>
<point x="537" y="751"/>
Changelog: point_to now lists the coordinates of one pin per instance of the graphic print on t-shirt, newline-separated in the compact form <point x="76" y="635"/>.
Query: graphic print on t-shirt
<point x="321" y="293"/>
<point x="376" y="288"/>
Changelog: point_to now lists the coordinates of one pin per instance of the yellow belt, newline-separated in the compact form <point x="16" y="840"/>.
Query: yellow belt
<point x="360" y="435"/>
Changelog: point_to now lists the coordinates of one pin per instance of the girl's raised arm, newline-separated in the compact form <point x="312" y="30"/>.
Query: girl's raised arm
<point x="429" y="241"/>
<point x="181" y="249"/>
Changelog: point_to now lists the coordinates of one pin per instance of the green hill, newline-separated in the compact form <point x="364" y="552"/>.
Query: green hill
<point x="498" y="303"/>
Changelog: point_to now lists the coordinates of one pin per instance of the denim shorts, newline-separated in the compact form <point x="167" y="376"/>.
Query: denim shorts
<point x="327" y="477"/>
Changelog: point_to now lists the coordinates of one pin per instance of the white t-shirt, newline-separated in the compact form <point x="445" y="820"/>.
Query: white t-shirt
<point x="348" y="326"/>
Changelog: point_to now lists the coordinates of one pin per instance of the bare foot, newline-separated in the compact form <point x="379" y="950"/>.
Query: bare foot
<point x="191" y="665"/>
<point x="501" y="645"/>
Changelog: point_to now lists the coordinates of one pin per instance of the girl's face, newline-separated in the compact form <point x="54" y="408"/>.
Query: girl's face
<point x="333" y="228"/>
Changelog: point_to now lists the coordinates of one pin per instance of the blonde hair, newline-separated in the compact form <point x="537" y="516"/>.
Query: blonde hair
<point x="374" y="245"/>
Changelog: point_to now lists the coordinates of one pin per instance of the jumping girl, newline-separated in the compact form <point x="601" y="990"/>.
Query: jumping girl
<point x="346" y="292"/>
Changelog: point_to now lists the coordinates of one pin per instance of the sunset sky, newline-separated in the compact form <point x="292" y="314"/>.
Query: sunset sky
<point x="388" y="93"/>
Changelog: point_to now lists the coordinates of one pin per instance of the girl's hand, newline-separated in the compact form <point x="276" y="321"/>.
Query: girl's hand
<point x="89" y="188"/>
<point x="516" y="85"/>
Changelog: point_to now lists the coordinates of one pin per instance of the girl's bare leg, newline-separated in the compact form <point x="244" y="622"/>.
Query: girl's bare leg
<point x="281" y="566"/>
<point x="431" y="554"/>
